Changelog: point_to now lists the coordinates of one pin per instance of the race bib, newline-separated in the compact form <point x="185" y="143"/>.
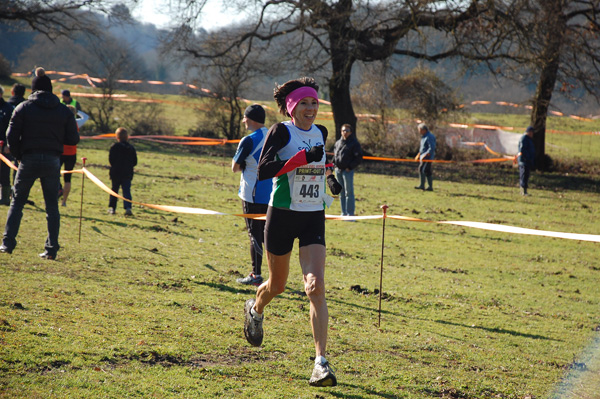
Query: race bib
<point x="309" y="184"/>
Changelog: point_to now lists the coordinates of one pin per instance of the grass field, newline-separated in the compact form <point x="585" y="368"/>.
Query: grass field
<point x="148" y="306"/>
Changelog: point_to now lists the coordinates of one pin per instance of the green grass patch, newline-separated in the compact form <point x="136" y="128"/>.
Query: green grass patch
<point x="148" y="306"/>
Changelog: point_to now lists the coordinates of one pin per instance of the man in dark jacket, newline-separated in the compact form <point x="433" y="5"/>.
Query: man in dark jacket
<point x="38" y="129"/>
<point x="122" y="158"/>
<point x="526" y="157"/>
<point x="347" y="155"/>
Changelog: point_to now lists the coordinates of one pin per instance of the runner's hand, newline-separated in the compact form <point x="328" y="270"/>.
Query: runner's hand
<point x="315" y="154"/>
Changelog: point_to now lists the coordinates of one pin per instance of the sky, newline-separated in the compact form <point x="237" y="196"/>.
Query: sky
<point x="212" y="14"/>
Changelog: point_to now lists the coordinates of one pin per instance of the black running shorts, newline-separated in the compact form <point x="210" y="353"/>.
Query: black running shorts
<point x="69" y="161"/>
<point x="283" y="226"/>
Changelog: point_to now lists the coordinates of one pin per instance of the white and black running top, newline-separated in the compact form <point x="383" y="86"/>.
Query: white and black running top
<point x="303" y="188"/>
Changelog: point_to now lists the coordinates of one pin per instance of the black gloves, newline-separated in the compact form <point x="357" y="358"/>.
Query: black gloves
<point x="243" y="165"/>
<point x="333" y="184"/>
<point x="315" y="154"/>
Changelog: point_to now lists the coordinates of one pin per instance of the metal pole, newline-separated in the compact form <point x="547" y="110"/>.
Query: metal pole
<point x="385" y="208"/>
<point x="81" y="202"/>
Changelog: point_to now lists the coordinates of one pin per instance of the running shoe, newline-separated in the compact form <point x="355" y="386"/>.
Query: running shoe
<point x="111" y="211"/>
<point x="47" y="255"/>
<point x="251" y="279"/>
<point x="323" y="376"/>
<point x="253" y="329"/>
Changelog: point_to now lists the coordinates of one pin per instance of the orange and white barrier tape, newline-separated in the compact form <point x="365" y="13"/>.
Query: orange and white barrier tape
<point x="476" y="225"/>
<point x="8" y="162"/>
<point x="200" y="211"/>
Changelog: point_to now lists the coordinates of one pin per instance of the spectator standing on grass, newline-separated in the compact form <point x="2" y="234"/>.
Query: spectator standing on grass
<point x="122" y="158"/>
<point x="347" y="155"/>
<point x="69" y="159"/>
<point x="526" y="158"/>
<point x="6" y="111"/>
<point x="425" y="156"/>
<point x="38" y="129"/>
<point x="18" y="94"/>
<point x="293" y="157"/>
<point x="255" y="194"/>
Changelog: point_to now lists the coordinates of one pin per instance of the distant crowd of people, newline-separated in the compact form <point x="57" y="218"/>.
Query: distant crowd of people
<point x="40" y="134"/>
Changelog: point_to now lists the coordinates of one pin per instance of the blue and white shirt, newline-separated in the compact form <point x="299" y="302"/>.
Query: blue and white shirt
<point x="248" y="151"/>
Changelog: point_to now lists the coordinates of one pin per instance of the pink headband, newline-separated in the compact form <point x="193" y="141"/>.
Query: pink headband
<point x="295" y="96"/>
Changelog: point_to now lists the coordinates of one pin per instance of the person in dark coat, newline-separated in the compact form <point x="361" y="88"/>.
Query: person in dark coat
<point x="38" y="130"/>
<point x="122" y="158"/>
<point x="6" y="111"/>
<point x="526" y="158"/>
<point x="347" y="155"/>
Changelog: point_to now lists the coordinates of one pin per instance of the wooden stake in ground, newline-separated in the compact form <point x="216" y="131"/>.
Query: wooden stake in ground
<point x="81" y="202"/>
<point x="385" y="208"/>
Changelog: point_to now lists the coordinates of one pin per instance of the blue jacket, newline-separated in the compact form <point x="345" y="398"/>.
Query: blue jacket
<point x="427" y="145"/>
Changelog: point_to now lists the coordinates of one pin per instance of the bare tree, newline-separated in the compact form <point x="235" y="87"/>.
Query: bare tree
<point x="337" y="34"/>
<point x="55" y="18"/>
<point x="554" y="44"/>
<point x="111" y="60"/>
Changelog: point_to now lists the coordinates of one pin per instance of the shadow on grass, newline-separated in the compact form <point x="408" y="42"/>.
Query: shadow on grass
<point x="226" y="288"/>
<point x="154" y="251"/>
<point x="500" y="331"/>
<point x="367" y="391"/>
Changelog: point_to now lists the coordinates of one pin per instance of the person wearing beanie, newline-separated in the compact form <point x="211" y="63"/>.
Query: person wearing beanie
<point x="68" y="100"/>
<point x="255" y="194"/>
<point x="38" y="130"/>
<point x="41" y="81"/>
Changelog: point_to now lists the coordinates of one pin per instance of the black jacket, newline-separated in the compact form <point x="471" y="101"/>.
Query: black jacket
<point x="41" y="125"/>
<point x="16" y="100"/>
<point x="6" y="111"/>
<point x="347" y="154"/>
<point x="122" y="158"/>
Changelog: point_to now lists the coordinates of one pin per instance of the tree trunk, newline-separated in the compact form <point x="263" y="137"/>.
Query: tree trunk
<point x="539" y="113"/>
<point x="556" y="20"/>
<point x="339" y="83"/>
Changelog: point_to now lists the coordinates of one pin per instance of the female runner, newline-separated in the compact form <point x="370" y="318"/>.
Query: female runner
<point x="293" y="157"/>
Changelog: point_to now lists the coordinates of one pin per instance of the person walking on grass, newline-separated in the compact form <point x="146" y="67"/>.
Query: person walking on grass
<point x="122" y="158"/>
<point x="425" y="156"/>
<point x="347" y="155"/>
<point x="38" y="130"/>
<point x="526" y="158"/>
<point x="255" y="194"/>
<point x="294" y="158"/>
